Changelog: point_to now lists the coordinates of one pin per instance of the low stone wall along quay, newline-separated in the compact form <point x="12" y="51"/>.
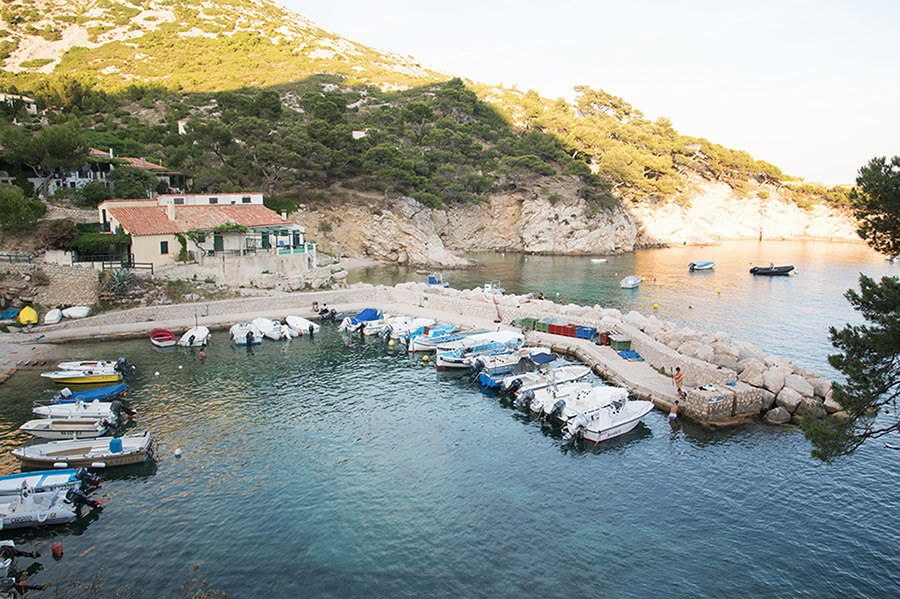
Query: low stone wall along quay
<point x="726" y="381"/>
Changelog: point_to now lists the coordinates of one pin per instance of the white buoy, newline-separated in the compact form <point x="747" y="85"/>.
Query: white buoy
<point x="156" y="373"/>
<point x="180" y="367"/>
<point x="178" y="453"/>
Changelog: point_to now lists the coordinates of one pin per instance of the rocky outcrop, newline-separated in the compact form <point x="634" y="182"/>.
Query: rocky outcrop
<point x="555" y="220"/>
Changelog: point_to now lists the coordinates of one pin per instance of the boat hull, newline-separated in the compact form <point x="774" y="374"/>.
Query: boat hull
<point x="771" y="271"/>
<point x="636" y="411"/>
<point x="162" y="338"/>
<point x="45" y="481"/>
<point x="135" y="449"/>
<point x="65" y="428"/>
<point x="82" y="377"/>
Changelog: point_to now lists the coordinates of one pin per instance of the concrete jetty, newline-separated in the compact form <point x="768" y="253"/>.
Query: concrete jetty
<point x="726" y="382"/>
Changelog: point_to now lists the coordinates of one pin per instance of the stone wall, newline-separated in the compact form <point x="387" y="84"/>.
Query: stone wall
<point x="67" y="286"/>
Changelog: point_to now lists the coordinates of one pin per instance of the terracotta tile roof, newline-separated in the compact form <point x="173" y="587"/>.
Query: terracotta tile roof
<point x="207" y="217"/>
<point x="135" y="162"/>
<point x="153" y="220"/>
<point x="144" y="220"/>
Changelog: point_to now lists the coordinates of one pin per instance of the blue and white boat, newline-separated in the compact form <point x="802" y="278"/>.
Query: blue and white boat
<point x="353" y="323"/>
<point x="702" y="265"/>
<point x="66" y="395"/>
<point x="458" y="354"/>
<point x="491" y="369"/>
<point x="45" y="481"/>
<point x="427" y="342"/>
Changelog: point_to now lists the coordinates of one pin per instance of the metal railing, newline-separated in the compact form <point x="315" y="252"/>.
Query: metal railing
<point x="15" y="257"/>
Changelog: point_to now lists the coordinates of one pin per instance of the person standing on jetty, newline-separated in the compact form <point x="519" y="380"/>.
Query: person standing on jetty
<point x="678" y="378"/>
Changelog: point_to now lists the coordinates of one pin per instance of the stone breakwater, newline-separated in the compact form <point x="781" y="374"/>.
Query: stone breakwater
<point x="726" y="381"/>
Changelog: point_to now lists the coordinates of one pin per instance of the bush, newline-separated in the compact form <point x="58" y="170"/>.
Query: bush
<point x="16" y="212"/>
<point x="59" y="235"/>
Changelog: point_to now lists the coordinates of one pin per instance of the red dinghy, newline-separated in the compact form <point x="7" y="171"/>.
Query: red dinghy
<point x="162" y="338"/>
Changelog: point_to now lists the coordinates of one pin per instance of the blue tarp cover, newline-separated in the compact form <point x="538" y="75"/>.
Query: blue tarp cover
<point x="542" y="358"/>
<point x="366" y="315"/>
<point x="9" y="314"/>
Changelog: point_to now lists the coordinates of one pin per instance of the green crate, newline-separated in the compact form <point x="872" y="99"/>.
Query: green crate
<point x="527" y="323"/>
<point x="543" y="327"/>
<point x="619" y="342"/>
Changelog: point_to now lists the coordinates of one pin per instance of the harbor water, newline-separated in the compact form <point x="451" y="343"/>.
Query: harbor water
<point x="343" y="467"/>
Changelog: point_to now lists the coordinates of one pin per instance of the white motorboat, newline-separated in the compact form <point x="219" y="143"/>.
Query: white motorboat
<point x="66" y="428"/>
<point x="112" y="411"/>
<point x="504" y="362"/>
<point x="104" y="452"/>
<point x="542" y="377"/>
<point x="534" y="399"/>
<point x="362" y="319"/>
<point x="301" y="325"/>
<point x="197" y="336"/>
<point x="269" y="328"/>
<point x="630" y="282"/>
<point x="564" y="409"/>
<point x="466" y="349"/>
<point x="76" y="312"/>
<point x="29" y="509"/>
<point x="493" y="288"/>
<point x="89" y="365"/>
<point x="53" y="316"/>
<point x="403" y="326"/>
<point x="481" y="339"/>
<point x="607" y="421"/>
<point x="287" y="332"/>
<point x="430" y="340"/>
<point x="245" y="333"/>
<point x="45" y="481"/>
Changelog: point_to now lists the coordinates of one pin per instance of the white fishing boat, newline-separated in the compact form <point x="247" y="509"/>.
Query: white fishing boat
<point x="89" y="365"/>
<point x="493" y="288"/>
<point x="196" y="336"/>
<point x="533" y="400"/>
<point x="269" y="328"/>
<point x="27" y="509"/>
<point x="66" y="428"/>
<point x="430" y="340"/>
<point x="403" y="326"/>
<point x="566" y="408"/>
<point x="599" y="260"/>
<point x="504" y="362"/>
<point x="301" y="325"/>
<point x="458" y="356"/>
<point x="607" y="421"/>
<point x="104" y="452"/>
<point x="245" y="333"/>
<point x="702" y="265"/>
<point x="97" y="410"/>
<point x="480" y="339"/>
<point x="630" y="282"/>
<point x="353" y="323"/>
<point x="53" y="316"/>
<point x="76" y="312"/>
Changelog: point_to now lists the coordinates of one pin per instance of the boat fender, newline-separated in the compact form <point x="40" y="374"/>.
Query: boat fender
<point x="60" y="464"/>
<point x="98" y="464"/>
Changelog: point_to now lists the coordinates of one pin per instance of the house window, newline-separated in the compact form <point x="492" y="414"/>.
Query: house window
<point x="201" y="237"/>
<point x="178" y="201"/>
<point x="163" y="247"/>
<point x="245" y="200"/>
<point x="213" y="200"/>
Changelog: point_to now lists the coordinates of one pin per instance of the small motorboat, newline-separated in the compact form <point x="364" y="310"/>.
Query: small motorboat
<point x="630" y="282"/>
<point x="28" y="315"/>
<point x="301" y="325"/>
<point x="531" y="375"/>
<point x="66" y="428"/>
<point x="535" y="399"/>
<point x="197" y="336"/>
<point x="45" y="481"/>
<point x="76" y="312"/>
<point x="269" y="328"/>
<point x="491" y="368"/>
<point x="66" y="395"/>
<point x="600" y="260"/>
<point x="435" y="279"/>
<point x="98" y="410"/>
<point x="353" y="323"/>
<point x="245" y="333"/>
<point x="89" y="453"/>
<point x="582" y="402"/>
<point x="162" y="338"/>
<point x="53" y="316"/>
<point x="29" y="509"/>
<point x="607" y="421"/>
<point x="83" y="377"/>
<point x="702" y="265"/>
<point x="89" y="365"/>
<point x="493" y="288"/>
<point x="772" y="270"/>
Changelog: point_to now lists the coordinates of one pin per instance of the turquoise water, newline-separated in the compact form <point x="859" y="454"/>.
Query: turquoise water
<point x="344" y="468"/>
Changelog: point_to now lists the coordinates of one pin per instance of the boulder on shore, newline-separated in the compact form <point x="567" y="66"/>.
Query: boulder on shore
<point x="788" y="399"/>
<point x="778" y="416"/>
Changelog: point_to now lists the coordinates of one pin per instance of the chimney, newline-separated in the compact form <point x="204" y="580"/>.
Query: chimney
<point x="283" y="215"/>
<point x="170" y="210"/>
<point x="143" y="162"/>
<point x="111" y="153"/>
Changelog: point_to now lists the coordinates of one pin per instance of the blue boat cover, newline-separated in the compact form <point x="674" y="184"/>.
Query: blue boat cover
<point x="542" y="358"/>
<point x="9" y="314"/>
<point x="87" y="395"/>
<point x="366" y="315"/>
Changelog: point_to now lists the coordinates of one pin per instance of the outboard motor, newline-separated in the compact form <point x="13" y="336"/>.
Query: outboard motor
<point x="249" y="338"/>
<point x="556" y="411"/>
<point x="477" y="366"/>
<point x="311" y="329"/>
<point x="118" y="407"/>
<point x="524" y="399"/>
<point x="78" y="499"/>
<point x="575" y="426"/>
<point x="386" y="332"/>
<point x="86" y="477"/>
<point x="191" y="340"/>
<point x="513" y="386"/>
<point x="123" y="366"/>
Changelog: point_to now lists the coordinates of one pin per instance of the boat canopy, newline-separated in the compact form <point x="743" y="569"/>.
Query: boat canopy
<point x="367" y="315"/>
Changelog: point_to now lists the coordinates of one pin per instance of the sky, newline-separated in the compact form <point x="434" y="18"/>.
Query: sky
<point x="812" y="87"/>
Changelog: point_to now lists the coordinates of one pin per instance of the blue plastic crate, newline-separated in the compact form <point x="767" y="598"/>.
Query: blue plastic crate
<point x="585" y="332"/>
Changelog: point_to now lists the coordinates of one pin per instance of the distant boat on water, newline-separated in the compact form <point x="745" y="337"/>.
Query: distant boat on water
<point x="702" y="265"/>
<point x="630" y="282"/>
<point x="772" y="270"/>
